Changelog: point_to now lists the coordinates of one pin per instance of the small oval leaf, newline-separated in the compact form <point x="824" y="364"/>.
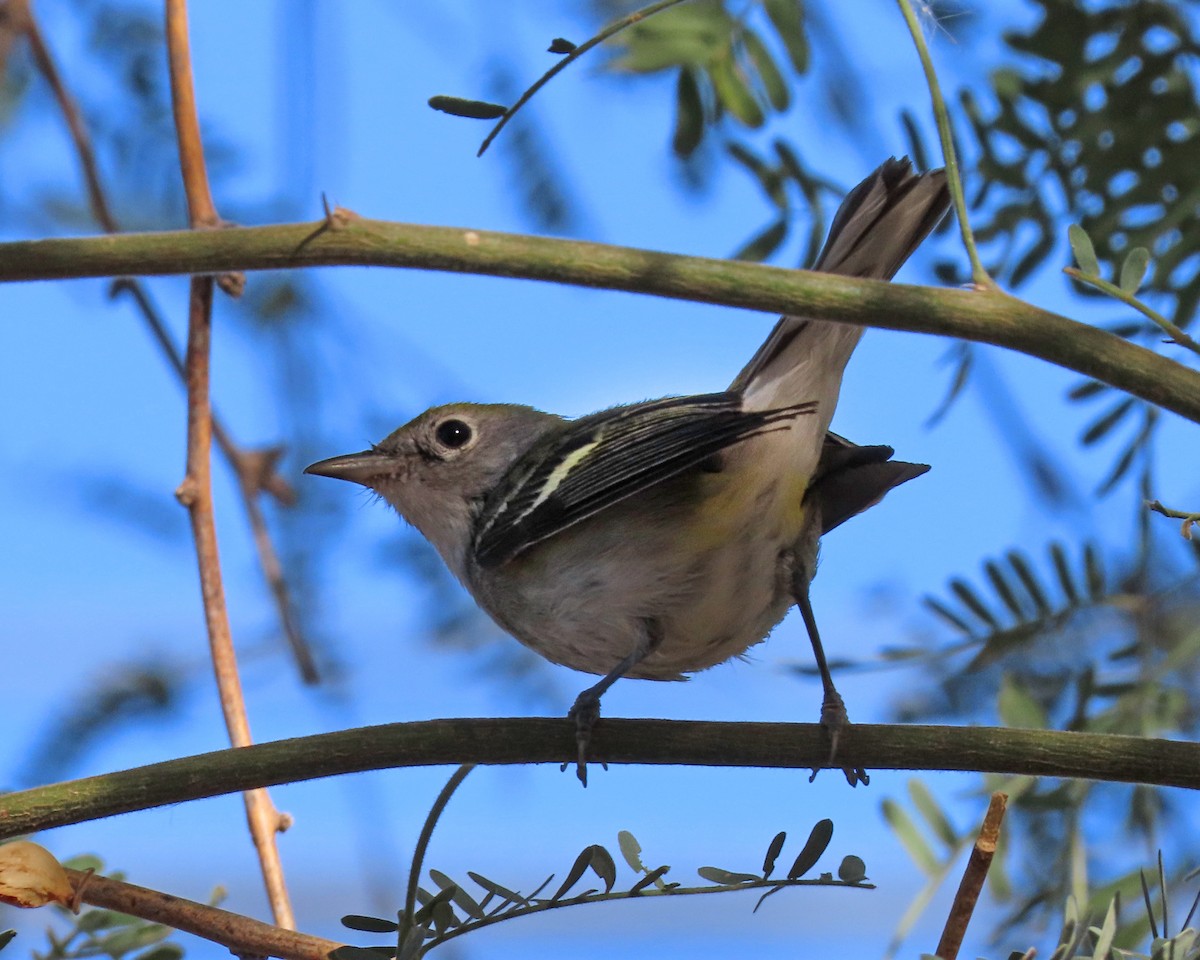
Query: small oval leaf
<point x="631" y="850"/>
<point x="472" y="109"/>
<point x="603" y="866"/>
<point x="852" y="870"/>
<point x="561" y="45"/>
<point x="814" y="846"/>
<point x="773" y="853"/>
<point x="1133" y="270"/>
<point x="1085" y="253"/>
<point x="726" y="877"/>
<point x="369" y="924"/>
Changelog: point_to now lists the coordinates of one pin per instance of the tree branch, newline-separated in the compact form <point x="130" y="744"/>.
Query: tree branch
<point x="345" y="239"/>
<point x="243" y="936"/>
<point x="800" y="746"/>
<point x="195" y="493"/>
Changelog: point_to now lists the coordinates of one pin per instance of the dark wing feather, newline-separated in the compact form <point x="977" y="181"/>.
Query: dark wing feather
<point x="604" y="458"/>
<point x="850" y="479"/>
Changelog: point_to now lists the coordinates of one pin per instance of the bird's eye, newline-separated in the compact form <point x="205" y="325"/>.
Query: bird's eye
<point x="453" y="434"/>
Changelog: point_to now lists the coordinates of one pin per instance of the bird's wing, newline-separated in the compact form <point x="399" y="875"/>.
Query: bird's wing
<point x="602" y="459"/>
<point x="851" y="479"/>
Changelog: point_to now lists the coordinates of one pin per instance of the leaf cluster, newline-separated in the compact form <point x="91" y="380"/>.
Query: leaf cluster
<point x="449" y="908"/>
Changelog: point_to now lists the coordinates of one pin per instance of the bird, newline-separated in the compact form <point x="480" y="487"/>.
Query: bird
<point x="660" y="538"/>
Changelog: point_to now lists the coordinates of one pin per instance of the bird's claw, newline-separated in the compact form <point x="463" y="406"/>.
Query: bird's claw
<point x="834" y="721"/>
<point x="585" y="713"/>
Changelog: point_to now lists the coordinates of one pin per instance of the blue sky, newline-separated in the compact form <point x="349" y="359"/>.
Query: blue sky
<point x="85" y="393"/>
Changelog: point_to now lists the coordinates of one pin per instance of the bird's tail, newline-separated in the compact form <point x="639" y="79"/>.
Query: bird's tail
<point x="878" y="226"/>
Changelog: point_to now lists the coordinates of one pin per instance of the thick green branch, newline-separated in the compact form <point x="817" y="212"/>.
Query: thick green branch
<point x="510" y="741"/>
<point x="346" y="239"/>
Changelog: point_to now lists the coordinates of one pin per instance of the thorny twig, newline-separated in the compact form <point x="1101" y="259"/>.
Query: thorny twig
<point x="246" y="463"/>
<point x="196" y="490"/>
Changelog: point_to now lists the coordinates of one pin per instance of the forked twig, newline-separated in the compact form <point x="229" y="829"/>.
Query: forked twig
<point x="196" y="490"/>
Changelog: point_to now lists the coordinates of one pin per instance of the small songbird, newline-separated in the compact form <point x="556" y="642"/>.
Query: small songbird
<point x="656" y="539"/>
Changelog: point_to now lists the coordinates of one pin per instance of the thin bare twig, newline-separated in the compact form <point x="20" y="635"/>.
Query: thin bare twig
<point x="242" y="935"/>
<point x="972" y="880"/>
<point x="1189" y="519"/>
<point x="615" y="27"/>
<point x="979" y="274"/>
<point x="22" y="19"/>
<point x="196" y="490"/>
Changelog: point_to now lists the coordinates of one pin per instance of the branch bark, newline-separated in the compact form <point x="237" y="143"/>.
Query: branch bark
<point x="800" y="746"/>
<point x="346" y="239"/>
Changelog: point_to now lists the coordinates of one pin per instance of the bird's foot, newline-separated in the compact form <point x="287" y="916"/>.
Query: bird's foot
<point x="834" y="721"/>
<point x="585" y="712"/>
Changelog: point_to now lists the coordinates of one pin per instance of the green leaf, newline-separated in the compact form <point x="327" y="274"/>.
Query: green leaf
<point x="773" y="850"/>
<point x="492" y="887"/>
<point x="1133" y="270"/>
<point x="561" y="45"/>
<point x="348" y="952"/>
<point x="760" y="247"/>
<point x="1085" y="253"/>
<point x="471" y="109"/>
<point x="689" y="115"/>
<point x="435" y="909"/>
<point x="1003" y="589"/>
<point x="1066" y="579"/>
<point x="133" y="938"/>
<point x="733" y="92"/>
<point x="164" y="951"/>
<point x="601" y="863"/>
<point x="726" y="877"/>
<point x="787" y="16"/>
<point x="631" y="850"/>
<point x="465" y="901"/>
<point x="1017" y="708"/>
<point x="1103" y="424"/>
<point x="852" y="870"/>
<point x="369" y="924"/>
<point x="6" y="937"/>
<point x="1094" y="570"/>
<point x="773" y="84"/>
<point x="1087" y="389"/>
<point x="907" y="833"/>
<point x="654" y="876"/>
<point x="603" y="866"/>
<point x="936" y="606"/>
<point x="928" y="807"/>
<point x="814" y="847"/>
<point x="971" y="601"/>
<point x="1024" y="572"/>
<point x="1107" y="932"/>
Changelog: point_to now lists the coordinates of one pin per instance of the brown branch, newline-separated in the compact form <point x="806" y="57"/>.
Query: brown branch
<point x="195" y="492"/>
<point x="22" y="19"/>
<point x="201" y="210"/>
<point x="985" y="317"/>
<point x="243" y="936"/>
<point x="799" y="746"/>
<point x="1189" y="519"/>
<point x="973" y="878"/>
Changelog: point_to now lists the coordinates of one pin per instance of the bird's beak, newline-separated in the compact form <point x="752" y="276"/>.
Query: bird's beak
<point x="356" y="467"/>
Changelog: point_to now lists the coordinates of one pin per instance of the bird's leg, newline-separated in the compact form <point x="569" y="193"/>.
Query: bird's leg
<point x="586" y="710"/>
<point x="833" y="708"/>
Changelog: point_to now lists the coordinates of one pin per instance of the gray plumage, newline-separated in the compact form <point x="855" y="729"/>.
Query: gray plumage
<point x="656" y="539"/>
